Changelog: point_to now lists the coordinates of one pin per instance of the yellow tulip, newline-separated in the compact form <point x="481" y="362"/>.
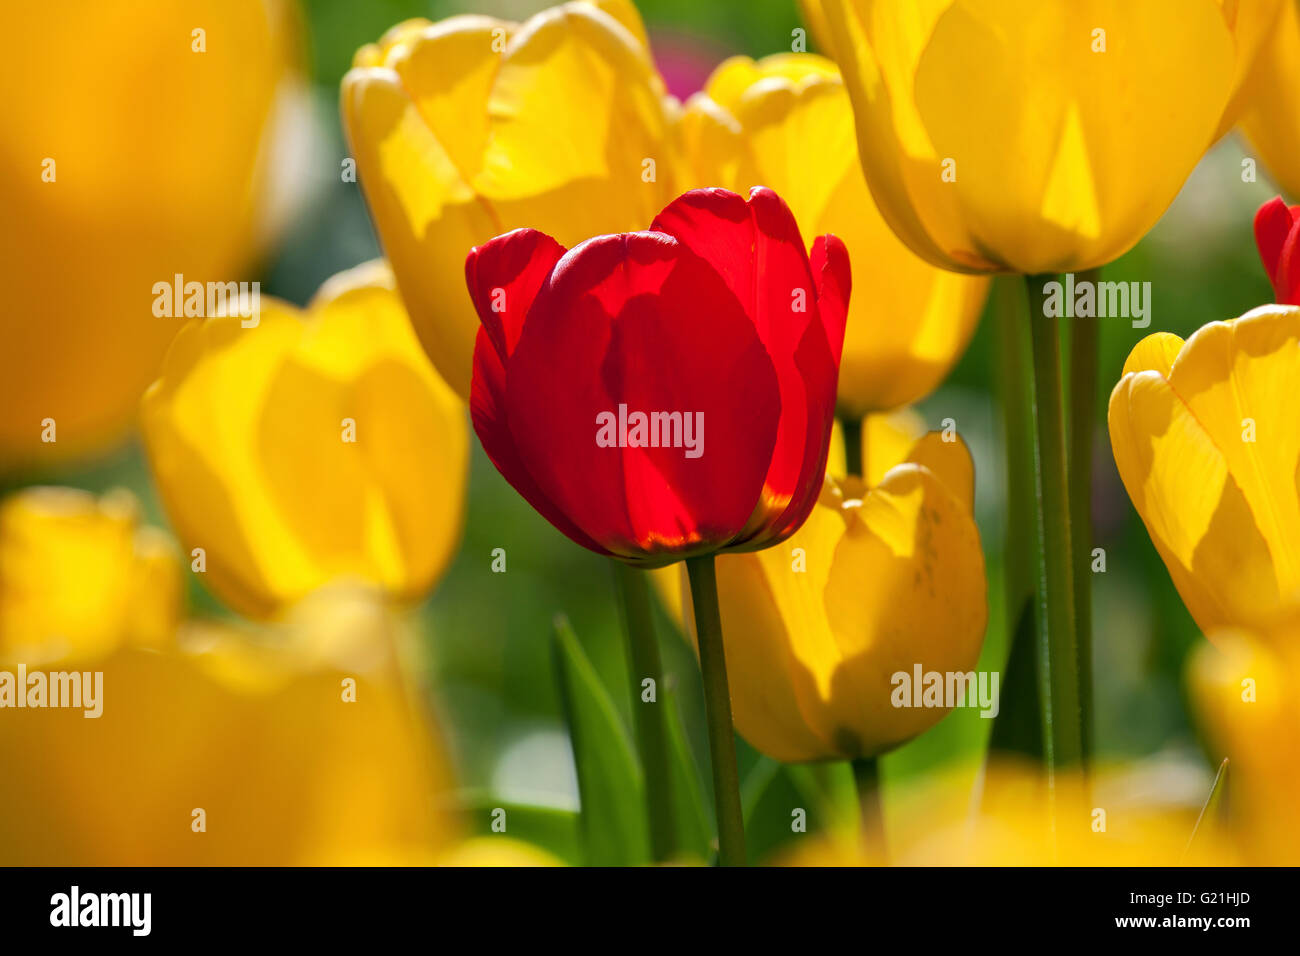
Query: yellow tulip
<point x="1035" y="136"/>
<point x="127" y="156"/>
<point x="80" y="577"/>
<point x="881" y="578"/>
<point x="312" y="447"/>
<point x="292" y="745"/>
<point x="1272" y="121"/>
<point x="786" y="122"/>
<point x="1204" y="438"/>
<point x="1013" y="819"/>
<point x="1247" y="690"/>
<point x="470" y="127"/>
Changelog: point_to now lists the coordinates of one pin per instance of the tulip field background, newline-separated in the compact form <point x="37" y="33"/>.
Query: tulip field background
<point x="489" y="662"/>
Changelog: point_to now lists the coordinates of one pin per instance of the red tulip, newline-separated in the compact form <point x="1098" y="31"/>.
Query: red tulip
<point x="597" y="370"/>
<point x="1277" y="234"/>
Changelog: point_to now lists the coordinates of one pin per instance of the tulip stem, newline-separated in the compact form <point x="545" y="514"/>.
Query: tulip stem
<point x="1058" y="661"/>
<point x="866" y="771"/>
<point x="717" y="709"/>
<point x="1083" y="406"/>
<point x="1016" y="729"/>
<point x="649" y="717"/>
<point x="854" y="460"/>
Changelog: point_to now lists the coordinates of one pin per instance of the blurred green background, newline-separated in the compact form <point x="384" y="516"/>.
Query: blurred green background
<point x="490" y="667"/>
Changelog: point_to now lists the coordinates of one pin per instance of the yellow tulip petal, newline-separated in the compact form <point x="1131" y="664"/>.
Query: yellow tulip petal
<point x="576" y="97"/>
<point x="1272" y="120"/>
<point x="1238" y="380"/>
<point x="1255" y="26"/>
<point x="906" y="588"/>
<point x="943" y="83"/>
<point x="1193" y="508"/>
<point x="1155" y="353"/>
<point x="1075" y="200"/>
<point x="949" y="460"/>
<point x="310" y="448"/>
<point x="465" y="129"/>
<point x="814" y="15"/>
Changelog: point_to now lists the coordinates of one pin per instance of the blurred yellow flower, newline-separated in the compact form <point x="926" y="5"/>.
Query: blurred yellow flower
<point x="1247" y="690"/>
<point x="1001" y="135"/>
<point x="470" y="127"/>
<point x="883" y="578"/>
<point x="1272" y="120"/>
<point x="294" y="745"/>
<point x="315" y="446"/>
<point x="80" y="576"/>
<point x="1013" y="818"/>
<point x="1205" y="440"/>
<point x="786" y="122"/>
<point x="495" y="851"/>
<point x="128" y="156"/>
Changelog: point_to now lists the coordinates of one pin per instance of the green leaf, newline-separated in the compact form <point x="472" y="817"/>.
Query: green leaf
<point x="1018" y="728"/>
<point x="691" y="817"/>
<point x="613" y="821"/>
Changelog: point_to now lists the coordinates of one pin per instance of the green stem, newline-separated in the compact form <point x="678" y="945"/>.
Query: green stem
<point x="1016" y="729"/>
<point x="1058" y="671"/>
<point x="854" y="461"/>
<point x="650" y="717"/>
<point x="1083" y="407"/>
<point x="717" y="710"/>
<point x="866" y="771"/>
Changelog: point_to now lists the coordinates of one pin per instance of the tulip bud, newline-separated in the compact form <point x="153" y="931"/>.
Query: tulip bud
<point x="1204" y="438"/>
<point x="315" y="446"/>
<point x="881" y="581"/>
<point x="655" y="395"/>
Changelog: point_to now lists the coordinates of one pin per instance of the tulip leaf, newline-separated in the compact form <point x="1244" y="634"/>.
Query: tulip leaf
<point x="693" y="822"/>
<point x="610" y="784"/>
<point x="1018" y="729"/>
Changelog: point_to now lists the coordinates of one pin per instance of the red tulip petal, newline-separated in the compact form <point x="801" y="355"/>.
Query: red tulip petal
<point x="639" y="321"/>
<point x="503" y="276"/>
<point x="756" y="247"/>
<point x="1287" y="284"/>
<point x="1273" y="224"/>
<point x="834" y="279"/>
<point x="487" y="411"/>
